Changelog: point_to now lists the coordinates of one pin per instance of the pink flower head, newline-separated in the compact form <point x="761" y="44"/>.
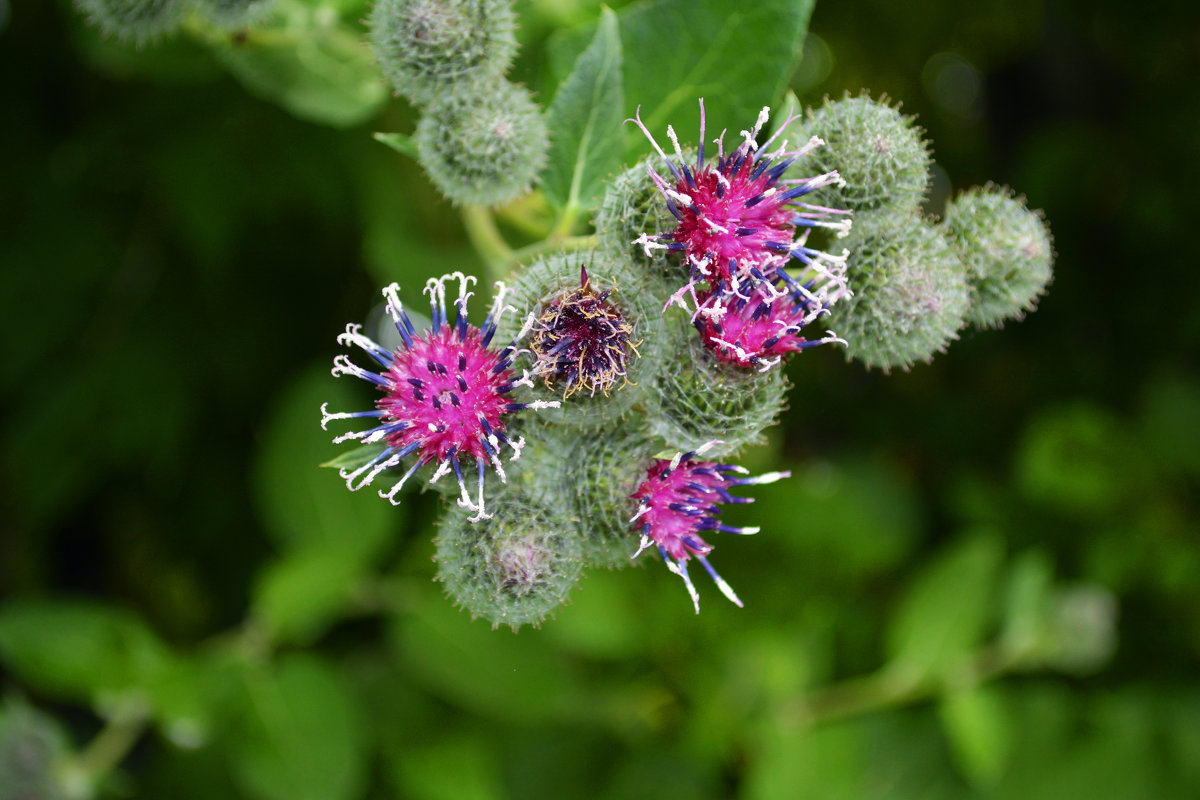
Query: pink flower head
<point x="445" y="393"/>
<point x="679" y="500"/>
<point x="755" y="325"/>
<point x="737" y="216"/>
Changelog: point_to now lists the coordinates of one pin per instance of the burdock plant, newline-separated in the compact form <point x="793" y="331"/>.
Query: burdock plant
<point x="654" y="351"/>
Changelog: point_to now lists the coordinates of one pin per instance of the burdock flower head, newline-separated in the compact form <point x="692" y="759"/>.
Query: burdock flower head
<point x="756" y="324"/>
<point x="445" y="394"/>
<point x="737" y="216"/>
<point x="680" y="499"/>
<point x="581" y="341"/>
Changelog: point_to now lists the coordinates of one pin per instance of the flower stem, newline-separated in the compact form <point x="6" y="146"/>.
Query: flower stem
<point x="485" y="237"/>
<point x="110" y="746"/>
<point x="890" y="688"/>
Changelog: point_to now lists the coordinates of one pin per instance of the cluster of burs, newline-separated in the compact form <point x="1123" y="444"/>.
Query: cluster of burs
<point x="640" y="366"/>
<point x="141" y="21"/>
<point x="569" y="502"/>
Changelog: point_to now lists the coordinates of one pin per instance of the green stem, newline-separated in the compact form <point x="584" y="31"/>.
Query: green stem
<point x="566" y="223"/>
<point x="485" y="237"/>
<point x="111" y="745"/>
<point x="889" y="688"/>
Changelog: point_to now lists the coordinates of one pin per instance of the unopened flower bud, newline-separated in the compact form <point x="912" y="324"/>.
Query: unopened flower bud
<point x="699" y="398"/>
<point x="909" y="291"/>
<point x="511" y="569"/>
<point x="483" y="145"/>
<point x="878" y="152"/>
<point x="429" y="48"/>
<point x="233" y="13"/>
<point x="136" y="21"/>
<point x="1006" y="249"/>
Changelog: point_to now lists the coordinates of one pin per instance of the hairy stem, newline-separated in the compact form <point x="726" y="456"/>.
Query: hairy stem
<point x="486" y="238"/>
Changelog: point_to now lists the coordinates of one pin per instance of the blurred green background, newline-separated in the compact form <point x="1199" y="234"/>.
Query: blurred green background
<point x="983" y="580"/>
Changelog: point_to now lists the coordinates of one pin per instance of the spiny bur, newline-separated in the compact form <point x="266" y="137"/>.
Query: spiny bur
<point x="878" y="152"/>
<point x="605" y="469"/>
<point x="483" y="145"/>
<point x="698" y="398"/>
<point x="513" y="568"/>
<point x="232" y="14"/>
<point x="1007" y="251"/>
<point x="909" y="290"/>
<point x="632" y="207"/>
<point x="594" y="335"/>
<point x="137" y="21"/>
<point x="429" y="48"/>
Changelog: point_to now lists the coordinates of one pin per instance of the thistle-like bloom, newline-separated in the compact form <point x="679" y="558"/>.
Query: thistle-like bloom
<point x="680" y="499"/>
<point x="445" y="393"/>
<point x="737" y="216"/>
<point x="582" y="341"/>
<point x="755" y="325"/>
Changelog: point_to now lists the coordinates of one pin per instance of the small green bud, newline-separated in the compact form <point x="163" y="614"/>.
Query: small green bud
<point x="231" y="14"/>
<point x="428" y="48"/>
<point x="909" y="291"/>
<point x="698" y="398"/>
<point x="878" y="152"/>
<point x="1007" y="251"/>
<point x="633" y="206"/>
<point x="483" y="145"/>
<point x="512" y="568"/>
<point x="595" y="339"/>
<point x="136" y="21"/>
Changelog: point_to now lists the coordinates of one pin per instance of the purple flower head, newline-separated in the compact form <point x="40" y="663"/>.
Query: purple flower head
<point x="445" y="393"/>
<point x="581" y="340"/>
<point x="680" y="499"/>
<point x="756" y="324"/>
<point x="738" y="216"/>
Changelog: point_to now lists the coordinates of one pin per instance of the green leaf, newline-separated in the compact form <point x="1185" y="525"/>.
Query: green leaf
<point x="462" y="768"/>
<point x="302" y="737"/>
<point x="400" y="142"/>
<point x="737" y="56"/>
<point x="79" y="651"/>
<point x="1028" y="594"/>
<point x="512" y="677"/>
<point x="355" y="458"/>
<point x="945" y="612"/>
<point x="301" y="504"/>
<point x="585" y="122"/>
<point x="309" y="62"/>
<point x="299" y="596"/>
<point x="980" y="732"/>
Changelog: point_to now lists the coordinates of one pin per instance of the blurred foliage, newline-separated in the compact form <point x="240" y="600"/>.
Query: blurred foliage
<point x="981" y="582"/>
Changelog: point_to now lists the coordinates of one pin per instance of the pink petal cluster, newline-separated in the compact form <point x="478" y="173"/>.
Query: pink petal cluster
<point x="444" y="394"/>
<point x="680" y="498"/>
<point x="738" y="221"/>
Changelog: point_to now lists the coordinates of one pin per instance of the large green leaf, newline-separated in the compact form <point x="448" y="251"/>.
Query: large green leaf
<point x="944" y="615"/>
<point x="737" y="56"/>
<point x="585" y="122"/>
<point x="303" y="734"/>
<point x="309" y="61"/>
<point x="300" y="595"/>
<point x="981" y="735"/>
<point x="80" y="651"/>
<point x="301" y="504"/>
